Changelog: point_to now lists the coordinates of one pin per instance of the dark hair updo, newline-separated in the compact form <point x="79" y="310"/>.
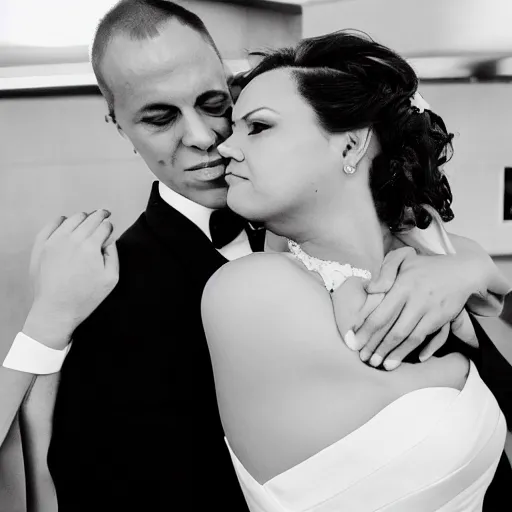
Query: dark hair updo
<point x="353" y="82"/>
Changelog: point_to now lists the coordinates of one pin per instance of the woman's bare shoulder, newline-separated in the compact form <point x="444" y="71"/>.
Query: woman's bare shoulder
<point x="245" y="279"/>
<point x="265" y="298"/>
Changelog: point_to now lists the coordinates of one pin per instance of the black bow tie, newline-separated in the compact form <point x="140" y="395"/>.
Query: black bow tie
<point x="226" y="225"/>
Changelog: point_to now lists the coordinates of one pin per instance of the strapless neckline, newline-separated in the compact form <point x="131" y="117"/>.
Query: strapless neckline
<point x="448" y="395"/>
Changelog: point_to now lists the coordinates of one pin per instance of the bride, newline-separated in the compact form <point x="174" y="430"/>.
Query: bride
<point x="328" y="151"/>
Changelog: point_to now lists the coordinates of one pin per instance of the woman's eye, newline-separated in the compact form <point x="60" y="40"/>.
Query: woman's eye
<point x="256" y="128"/>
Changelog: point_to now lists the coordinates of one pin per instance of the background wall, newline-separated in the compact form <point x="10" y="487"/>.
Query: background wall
<point x="58" y="156"/>
<point x="480" y="115"/>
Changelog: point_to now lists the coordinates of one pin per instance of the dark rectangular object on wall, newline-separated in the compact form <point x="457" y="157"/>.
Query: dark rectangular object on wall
<point x="507" y="194"/>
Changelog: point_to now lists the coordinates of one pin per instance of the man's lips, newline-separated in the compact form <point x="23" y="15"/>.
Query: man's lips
<point x="206" y="165"/>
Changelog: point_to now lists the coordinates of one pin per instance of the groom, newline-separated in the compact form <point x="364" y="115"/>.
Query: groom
<point x="135" y="425"/>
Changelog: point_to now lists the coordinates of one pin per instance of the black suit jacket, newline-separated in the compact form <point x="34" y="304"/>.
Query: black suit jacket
<point x="136" y="424"/>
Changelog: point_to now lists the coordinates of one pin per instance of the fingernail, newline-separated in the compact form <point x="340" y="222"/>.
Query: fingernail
<point x="364" y="355"/>
<point x="391" y="364"/>
<point x="351" y="340"/>
<point x="423" y="357"/>
<point x="376" y="360"/>
<point x="107" y="212"/>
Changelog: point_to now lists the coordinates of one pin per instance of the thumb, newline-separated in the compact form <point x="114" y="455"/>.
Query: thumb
<point x="463" y="329"/>
<point x="347" y="301"/>
<point x="389" y="270"/>
<point x="372" y="302"/>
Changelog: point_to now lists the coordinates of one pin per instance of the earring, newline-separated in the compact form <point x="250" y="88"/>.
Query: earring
<point x="349" y="169"/>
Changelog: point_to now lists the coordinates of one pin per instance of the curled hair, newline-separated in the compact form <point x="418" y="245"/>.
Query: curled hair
<point x="352" y="82"/>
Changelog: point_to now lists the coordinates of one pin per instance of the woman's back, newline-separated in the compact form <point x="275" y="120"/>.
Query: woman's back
<point x="298" y="406"/>
<point x="277" y="353"/>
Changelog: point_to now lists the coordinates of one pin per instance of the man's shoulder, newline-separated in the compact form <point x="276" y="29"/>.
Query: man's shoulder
<point x="136" y="235"/>
<point x="139" y="243"/>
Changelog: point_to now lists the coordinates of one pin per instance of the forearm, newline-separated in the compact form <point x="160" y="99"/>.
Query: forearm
<point x="489" y="284"/>
<point x="14" y="384"/>
<point x="36" y="427"/>
<point x="13" y="389"/>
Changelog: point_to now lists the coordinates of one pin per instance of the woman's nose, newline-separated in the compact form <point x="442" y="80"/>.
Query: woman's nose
<point x="227" y="150"/>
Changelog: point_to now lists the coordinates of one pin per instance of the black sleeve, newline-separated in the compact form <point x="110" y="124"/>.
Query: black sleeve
<point x="493" y="368"/>
<point x="495" y="371"/>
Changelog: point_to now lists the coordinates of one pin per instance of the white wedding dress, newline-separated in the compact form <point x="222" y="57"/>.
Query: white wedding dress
<point x="434" y="449"/>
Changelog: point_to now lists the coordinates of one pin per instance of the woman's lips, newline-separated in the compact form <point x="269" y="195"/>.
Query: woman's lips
<point x="231" y="177"/>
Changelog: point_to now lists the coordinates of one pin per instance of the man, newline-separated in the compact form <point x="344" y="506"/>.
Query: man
<point x="135" y="425"/>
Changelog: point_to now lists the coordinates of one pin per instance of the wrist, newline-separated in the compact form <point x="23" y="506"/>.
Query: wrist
<point x="476" y="271"/>
<point x="47" y="328"/>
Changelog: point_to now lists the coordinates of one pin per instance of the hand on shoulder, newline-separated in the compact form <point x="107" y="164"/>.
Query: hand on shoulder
<point x="72" y="270"/>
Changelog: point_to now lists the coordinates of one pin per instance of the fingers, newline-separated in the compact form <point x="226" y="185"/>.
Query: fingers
<point x="379" y="322"/>
<point x="345" y="311"/>
<point x="71" y="223"/>
<point x="389" y="270"/>
<point x="403" y="334"/>
<point x="45" y="234"/>
<point x="102" y="233"/>
<point x="112" y="260"/>
<point x="413" y="341"/>
<point x="49" y="229"/>
<point x="463" y="329"/>
<point x="42" y="237"/>
<point x="89" y="225"/>
<point x="356" y="320"/>
<point x="435" y="343"/>
<point x="373" y="301"/>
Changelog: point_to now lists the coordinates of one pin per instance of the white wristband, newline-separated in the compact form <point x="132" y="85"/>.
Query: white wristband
<point x="30" y="356"/>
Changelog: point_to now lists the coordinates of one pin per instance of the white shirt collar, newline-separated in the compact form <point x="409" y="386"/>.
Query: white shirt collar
<point x="197" y="213"/>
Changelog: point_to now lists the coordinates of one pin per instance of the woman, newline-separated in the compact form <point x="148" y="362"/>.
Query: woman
<point x="328" y="151"/>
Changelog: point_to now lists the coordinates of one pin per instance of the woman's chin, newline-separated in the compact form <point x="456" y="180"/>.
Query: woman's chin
<point x="242" y="204"/>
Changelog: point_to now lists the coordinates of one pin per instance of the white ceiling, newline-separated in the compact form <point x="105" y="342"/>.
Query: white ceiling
<point x="444" y="38"/>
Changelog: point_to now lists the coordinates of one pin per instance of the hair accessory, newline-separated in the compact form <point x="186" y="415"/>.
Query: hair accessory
<point x="332" y="273"/>
<point x="349" y="169"/>
<point x="418" y="102"/>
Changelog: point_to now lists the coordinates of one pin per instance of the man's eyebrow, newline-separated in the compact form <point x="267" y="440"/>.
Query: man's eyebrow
<point x="245" y="116"/>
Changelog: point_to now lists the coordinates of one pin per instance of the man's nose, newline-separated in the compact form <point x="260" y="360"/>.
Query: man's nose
<point x="228" y="150"/>
<point x="197" y="133"/>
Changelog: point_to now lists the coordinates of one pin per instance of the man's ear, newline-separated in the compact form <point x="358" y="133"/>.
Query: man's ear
<point x="120" y="131"/>
<point x="110" y="118"/>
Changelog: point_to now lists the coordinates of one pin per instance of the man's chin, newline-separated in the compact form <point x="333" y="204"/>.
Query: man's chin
<point x="216" y="195"/>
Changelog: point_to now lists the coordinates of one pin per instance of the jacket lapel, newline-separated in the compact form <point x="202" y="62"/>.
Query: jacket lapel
<point x="183" y="238"/>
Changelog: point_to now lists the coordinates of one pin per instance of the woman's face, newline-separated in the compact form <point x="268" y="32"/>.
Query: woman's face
<point x="281" y="159"/>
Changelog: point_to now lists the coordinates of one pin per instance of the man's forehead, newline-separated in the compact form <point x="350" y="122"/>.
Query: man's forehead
<point x="179" y="61"/>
